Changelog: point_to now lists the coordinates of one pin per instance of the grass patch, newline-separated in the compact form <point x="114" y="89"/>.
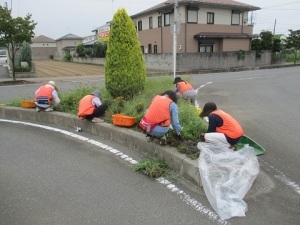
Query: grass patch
<point x="153" y="167"/>
<point x="137" y="106"/>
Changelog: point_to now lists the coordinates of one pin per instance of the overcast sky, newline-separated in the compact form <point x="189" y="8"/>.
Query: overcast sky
<point x="57" y="18"/>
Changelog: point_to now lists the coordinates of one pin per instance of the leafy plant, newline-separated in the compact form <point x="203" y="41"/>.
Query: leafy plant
<point x="153" y="168"/>
<point x="67" y="56"/>
<point x="241" y="54"/>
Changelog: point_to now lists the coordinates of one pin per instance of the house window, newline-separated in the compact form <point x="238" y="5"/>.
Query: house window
<point x="206" y="48"/>
<point x="159" y="21"/>
<point x="149" y="48"/>
<point x="192" y="15"/>
<point x="235" y="17"/>
<point x="142" y="48"/>
<point x="210" y="18"/>
<point x="140" y="25"/>
<point x="150" y="23"/>
<point x="155" y="48"/>
<point x="167" y="19"/>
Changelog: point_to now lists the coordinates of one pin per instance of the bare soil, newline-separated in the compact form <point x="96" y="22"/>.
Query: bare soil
<point x="52" y="68"/>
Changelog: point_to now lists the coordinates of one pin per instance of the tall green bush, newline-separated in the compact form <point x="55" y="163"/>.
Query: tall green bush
<point x="25" y="53"/>
<point x="125" y="70"/>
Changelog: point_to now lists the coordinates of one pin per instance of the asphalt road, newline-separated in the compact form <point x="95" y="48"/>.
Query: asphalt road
<point x="265" y="102"/>
<point x="51" y="178"/>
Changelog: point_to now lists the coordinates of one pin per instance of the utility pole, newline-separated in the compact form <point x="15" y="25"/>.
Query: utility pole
<point x="175" y="31"/>
<point x="274" y="27"/>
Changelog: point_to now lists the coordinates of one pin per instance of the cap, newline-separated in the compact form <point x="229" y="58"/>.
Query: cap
<point x="96" y="93"/>
<point x="177" y="79"/>
<point x="208" y="108"/>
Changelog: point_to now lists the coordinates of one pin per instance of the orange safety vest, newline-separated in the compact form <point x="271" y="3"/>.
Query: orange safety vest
<point x="86" y="107"/>
<point x="159" y="110"/>
<point x="183" y="86"/>
<point x="230" y="127"/>
<point x="45" y="90"/>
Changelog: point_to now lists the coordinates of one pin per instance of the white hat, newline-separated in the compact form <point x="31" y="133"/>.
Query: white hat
<point x="53" y="83"/>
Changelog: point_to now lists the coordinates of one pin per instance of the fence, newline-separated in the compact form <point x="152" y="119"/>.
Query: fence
<point x="198" y="61"/>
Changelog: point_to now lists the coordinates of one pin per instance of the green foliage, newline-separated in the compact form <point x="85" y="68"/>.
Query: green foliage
<point x="22" y="68"/>
<point x="190" y="121"/>
<point x="70" y="99"/>
<point x="13" y="32"/>
<point x="266" y="38"/>
<point x="80" y="50"/>
<point x="292" y="57"/>
<point x="67" y="56"/>
<point x="25" y="53"/>
<point x="293" y="40"/>
<point x="125" y="70"/>
<point x="241" y="54"/>
<point x="256" y="44"/>
<point x="153" y="168"/>
<point x="88" y="51"/>
<point x="277" y="46"/>
<point x="99" y="49"/>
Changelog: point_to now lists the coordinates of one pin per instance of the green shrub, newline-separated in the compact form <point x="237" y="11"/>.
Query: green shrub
<point x="125" y="70"/>
<point x="25" y="53"/>
<point x="67" y="56"/>
<point x="22" y="69"/>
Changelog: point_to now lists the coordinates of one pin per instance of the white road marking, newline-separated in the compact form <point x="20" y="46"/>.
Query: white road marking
<point x="280" y="176"/>
<point x="182" y="195"/>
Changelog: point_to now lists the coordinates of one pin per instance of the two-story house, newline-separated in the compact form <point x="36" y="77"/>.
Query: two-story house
<point x="67" y="43"/>
<point x="42" y="47"/>
<point x="202" y="26"/>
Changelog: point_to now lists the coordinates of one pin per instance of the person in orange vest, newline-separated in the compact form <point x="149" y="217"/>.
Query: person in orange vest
<point x="162" y="112"/>
<point x="185" y="89"/>
<point x="223" y="129"/>
<point x="91" y="108"/>
<point x="46" y="97"/>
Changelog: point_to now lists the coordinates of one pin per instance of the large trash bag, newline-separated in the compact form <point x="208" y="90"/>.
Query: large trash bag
<point x="227" y="176"/>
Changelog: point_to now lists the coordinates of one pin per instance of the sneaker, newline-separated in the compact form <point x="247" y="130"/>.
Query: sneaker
<point x="97" y="120"/>
<point x="37" y="109"/>
<point x="49" y="109"/>
<point x="163" y="140"/>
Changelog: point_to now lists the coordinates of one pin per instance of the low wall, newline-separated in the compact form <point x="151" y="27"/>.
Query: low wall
<point x="196" y="61"/>
<point x="207" y="61"/>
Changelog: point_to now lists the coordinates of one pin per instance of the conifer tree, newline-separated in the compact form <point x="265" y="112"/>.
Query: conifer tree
<point x="125" y="70"/>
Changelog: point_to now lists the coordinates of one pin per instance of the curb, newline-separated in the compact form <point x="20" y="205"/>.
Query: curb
<point x="179" y="163"/>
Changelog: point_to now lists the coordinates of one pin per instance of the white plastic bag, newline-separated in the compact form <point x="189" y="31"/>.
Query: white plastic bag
<point x="227" y="176"/>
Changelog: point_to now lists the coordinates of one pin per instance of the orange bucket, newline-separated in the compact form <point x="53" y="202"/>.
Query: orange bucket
<point x="124" y="121"/>
<point x="27" y="104"/>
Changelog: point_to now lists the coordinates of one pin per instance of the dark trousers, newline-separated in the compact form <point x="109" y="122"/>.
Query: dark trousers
<point x="98" y="112"/>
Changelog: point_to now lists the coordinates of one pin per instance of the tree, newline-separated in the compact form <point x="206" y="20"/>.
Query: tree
<point x="13" y="31"/>
<point x="293" y="41"/>
<point x="80" y="50"/>
<point x="266" y="38"/>
<point x="125" y="71"/>
<point x="25" y="53"/>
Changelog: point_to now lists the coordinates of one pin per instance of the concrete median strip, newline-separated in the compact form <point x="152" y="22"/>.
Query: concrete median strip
<point x="136" y="141"/>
